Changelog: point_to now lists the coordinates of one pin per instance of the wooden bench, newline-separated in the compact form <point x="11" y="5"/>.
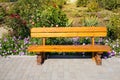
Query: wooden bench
<point x="46" y="32"/>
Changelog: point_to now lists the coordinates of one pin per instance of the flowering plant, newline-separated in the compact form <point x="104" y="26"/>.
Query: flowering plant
<point x="18" y="25"/>
<point x="16" y="46"/>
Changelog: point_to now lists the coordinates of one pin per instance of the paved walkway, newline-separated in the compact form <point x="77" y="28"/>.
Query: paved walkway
<point x="25" y="68"/>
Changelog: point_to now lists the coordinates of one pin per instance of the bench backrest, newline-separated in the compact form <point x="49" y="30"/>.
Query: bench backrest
<point x="69" y="32"/>
<point x="46" y="32"/>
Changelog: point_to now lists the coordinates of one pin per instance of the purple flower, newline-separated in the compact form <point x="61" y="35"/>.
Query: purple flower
<point x="19" y="37"/>
<point x="100" y="40"/>
<point x="75" y="40"/>
<point x="105" y="57"/>
<point x="5" y="39"/>
<point x="83" y="54"/>
<point x="21" y="53"/>
<point x="109" y="53"/>
<point x="113" y="54"/>
<point x="14" y="38"/>
<point x="26" y="40"/>
<point x="14" y="51"/>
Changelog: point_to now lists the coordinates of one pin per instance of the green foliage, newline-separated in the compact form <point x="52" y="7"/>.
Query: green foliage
<point x="4" y="0"/>
<point x="109" y="4"/>
<point x="90" y="21"/>
<point x="114" y="27"/>
<point x="27" y="9"/>
<point x="2" y="14"/>
<point x="84" y="41"/>
<point x="81" y="3"/>
<point x="59" y="3"/>
<point x="8" y="0"/>
<point x="93" y="6"/>
<point x="52" y="17"/>
<point x="40" y="13"/>
<point x="18" y="25"/>
<point x="58" y="41"/>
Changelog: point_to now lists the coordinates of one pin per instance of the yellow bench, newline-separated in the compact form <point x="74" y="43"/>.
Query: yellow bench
<point x="46" y="32"/>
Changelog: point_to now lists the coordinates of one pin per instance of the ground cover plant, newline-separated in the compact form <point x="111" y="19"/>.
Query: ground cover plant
<point x="16" y="45"/>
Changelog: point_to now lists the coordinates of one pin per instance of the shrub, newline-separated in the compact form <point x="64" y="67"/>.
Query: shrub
<point x="109" y="4"/>
<point x="114" y="27"/>
<point x="60" y="3"/>
<point x="8" y="0"/>
<point x="93" y="6"/>
<point x="90" y="21"/>
<point x="2" y="14"/>
<point x="18" y="25"/>
<point x="28" y="9"/>
<point x="52" y="17"/>
<point x="81" y="3"/>
<point x="40" y="13"/>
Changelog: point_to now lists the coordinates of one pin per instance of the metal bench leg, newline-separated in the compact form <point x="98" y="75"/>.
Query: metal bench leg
<point x="40" y="59"/>
<point x="98" y="59"/>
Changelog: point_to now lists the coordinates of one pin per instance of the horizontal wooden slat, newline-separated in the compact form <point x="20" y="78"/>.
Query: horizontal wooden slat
<point x="69" y="29"/>
<point x="69" y="32"/>
<point x="90" y="34"/>
<point x="68" y="48"/>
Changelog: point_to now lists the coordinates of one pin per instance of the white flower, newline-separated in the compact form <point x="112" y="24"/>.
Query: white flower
<point x="119" y="53"/>
<point x="113" y="46"/>
<point x="106" y="43"/>
<point x="117" y="40"/>
<point x="106" y="40"/>
<point x="83" y="43"/>
<point x="117" y="45"/>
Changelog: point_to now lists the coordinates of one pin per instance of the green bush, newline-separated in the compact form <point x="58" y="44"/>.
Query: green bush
<point x="109" y="4"/>
<point x="28" y="9"/>
<point x="40" y="13"/>
<point x="59" y="3"/>
<point x="81" y="3"/>
<point x="93" y="6"/>
<point x="52" y="17"/>
<point x="8" y="0"/>
<point x="114" y="27"/>
<point x="18" y="25"/>
<point x="2" y="14"/>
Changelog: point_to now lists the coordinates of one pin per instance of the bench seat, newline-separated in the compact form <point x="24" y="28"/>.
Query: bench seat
<point x="69" y="48"/>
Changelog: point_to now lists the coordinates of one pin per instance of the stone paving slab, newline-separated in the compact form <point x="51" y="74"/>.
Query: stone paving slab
<point x="25" y="68"/>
